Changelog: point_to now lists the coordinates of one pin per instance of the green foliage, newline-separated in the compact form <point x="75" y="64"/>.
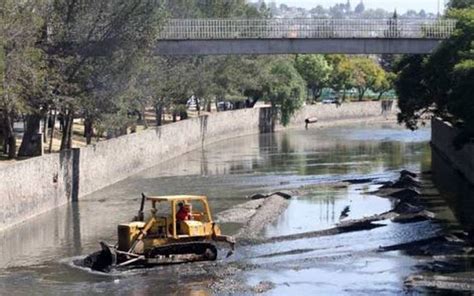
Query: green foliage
<point x="342" y="77"/>
<point x="384" y="83"/>
<point x="285" y="89"/>
<point x="461" y="4"/>
<point x="367" y="75"/>
<point x="22" y="64"/>
<point x="315" y="70"/>
<point x="441" y="83"/>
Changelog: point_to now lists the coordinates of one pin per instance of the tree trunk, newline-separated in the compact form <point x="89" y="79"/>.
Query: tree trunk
<point x="183" y="115"/>
<point x="53" y="127"/>
<point x="29" y="143"/>
<point x="145" y="123"/>
<point x="316" y="93"/>
<point x="62" y="122"/>
<point x="45" y="127"/>
<point x="4" y="134"/>
<point x="253" y="101"/>
<point x="10" y="140"/>
<point x="198" y="106"/>
<point x="88" y="129"/>
<point x="158" y="114"/>
<point x="338" y="91"/>
<point x="66" y="140"/>
<point x="123" y="131"/>
<point x="361" y="94"/>
<point x="380" y="95"/>
<point x="174" y="116"/>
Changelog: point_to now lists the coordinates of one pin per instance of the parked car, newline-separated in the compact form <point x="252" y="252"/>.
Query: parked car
<point x="225" y="105"/>
<point x="330" y="100"/>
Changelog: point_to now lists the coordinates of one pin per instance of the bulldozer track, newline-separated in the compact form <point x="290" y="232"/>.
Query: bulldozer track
<point x="182" y="252"/>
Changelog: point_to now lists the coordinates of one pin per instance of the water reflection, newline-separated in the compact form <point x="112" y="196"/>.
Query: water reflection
<point x="322" y="208"/>
<point x="456" y="190"/>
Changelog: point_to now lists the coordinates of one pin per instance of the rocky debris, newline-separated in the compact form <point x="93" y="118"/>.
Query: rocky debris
<point x="261" y="196"/>
<point x="385" y="184"/>
<point x="225" y="279"/>
<point x="358" y="181"/>
<point x="451" y="281"/>
<point x="408" y="173"/>
<point x="407" y="181"/>
<point x="434" y="246"/>
<point x="262" y="287"/>
<point x="414" y="217"/>
<point x="407" y="208"/>
<point x="406" y="194"/>
<point x="285" y="253"/>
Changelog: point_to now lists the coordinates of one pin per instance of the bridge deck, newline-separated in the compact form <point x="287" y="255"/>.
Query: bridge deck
<point x="283" y="36"/>
<point x="296" y="46"/>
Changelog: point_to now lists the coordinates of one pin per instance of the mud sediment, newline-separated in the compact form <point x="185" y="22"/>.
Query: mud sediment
<point x="255" y="215"/>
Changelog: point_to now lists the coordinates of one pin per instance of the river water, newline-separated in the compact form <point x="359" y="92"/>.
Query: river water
<point x="36" y="256"/>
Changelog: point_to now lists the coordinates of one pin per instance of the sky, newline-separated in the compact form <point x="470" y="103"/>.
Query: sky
<point x="400" y="5"/>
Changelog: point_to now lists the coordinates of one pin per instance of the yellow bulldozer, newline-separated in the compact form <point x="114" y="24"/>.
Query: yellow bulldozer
<point x="179" y="229"/>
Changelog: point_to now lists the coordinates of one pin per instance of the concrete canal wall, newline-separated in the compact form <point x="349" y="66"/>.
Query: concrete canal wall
<point x="443" y="134"/>
<point x="29" y="188"/>
<point x="329" y="114"/>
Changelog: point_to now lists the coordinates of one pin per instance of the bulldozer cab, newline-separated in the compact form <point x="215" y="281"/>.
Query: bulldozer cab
<point x="189" y="216"/>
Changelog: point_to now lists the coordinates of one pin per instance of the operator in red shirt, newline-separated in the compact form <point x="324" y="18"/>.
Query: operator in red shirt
<point x="184" y="212"/>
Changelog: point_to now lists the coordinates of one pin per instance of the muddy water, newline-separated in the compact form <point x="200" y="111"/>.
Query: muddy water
<point x="35" y="257"/>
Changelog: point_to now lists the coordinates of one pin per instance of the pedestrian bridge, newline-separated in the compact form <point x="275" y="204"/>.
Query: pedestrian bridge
<point x="290" y="36"/>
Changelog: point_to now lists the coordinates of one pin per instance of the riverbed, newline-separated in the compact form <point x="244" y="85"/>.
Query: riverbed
<point x="36" y="256"/>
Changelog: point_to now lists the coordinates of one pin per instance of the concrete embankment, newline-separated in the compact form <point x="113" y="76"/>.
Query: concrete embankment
<point x="443" y="134"/>
<point x="29" y="188"/>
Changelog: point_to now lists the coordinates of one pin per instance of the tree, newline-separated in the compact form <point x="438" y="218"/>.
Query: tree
<point x="360" y="8"/>
<point x="366" y="75"/>
<point x="285" y="89"/>
<point x="21" y="65"/>
<point x="342" y="76"/>
<point x="94" y="42"/>
<point x="461" y="4"/>
<point x="440" y="83"/>
<point x="461" y="103"/>
<point x="315" y="70"/>
<point x="384" y="83"/>
<point x="318" y="11"/>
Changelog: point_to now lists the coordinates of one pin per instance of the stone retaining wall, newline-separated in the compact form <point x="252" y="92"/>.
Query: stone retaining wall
<point x="29" y="188"/>
<point x="443" y="134"/>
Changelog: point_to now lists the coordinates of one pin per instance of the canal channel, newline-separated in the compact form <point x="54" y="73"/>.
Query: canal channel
<point x="36" y="256"/>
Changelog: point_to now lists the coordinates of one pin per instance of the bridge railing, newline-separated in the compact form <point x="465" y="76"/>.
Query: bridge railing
<point x="209" y="29"/>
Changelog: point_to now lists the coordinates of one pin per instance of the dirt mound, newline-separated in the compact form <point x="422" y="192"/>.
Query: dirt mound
<point x="268" y="211"/>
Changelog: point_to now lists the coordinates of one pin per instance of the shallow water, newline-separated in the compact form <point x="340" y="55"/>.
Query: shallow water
<point x="35" y="256"/>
